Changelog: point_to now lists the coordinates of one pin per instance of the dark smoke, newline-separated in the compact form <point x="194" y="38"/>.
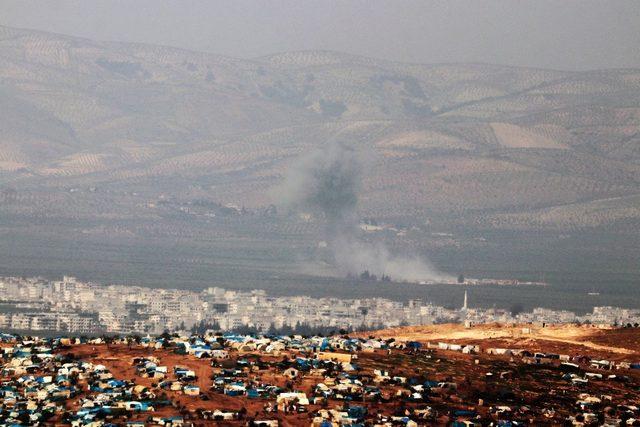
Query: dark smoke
<point x="326" y="183"/>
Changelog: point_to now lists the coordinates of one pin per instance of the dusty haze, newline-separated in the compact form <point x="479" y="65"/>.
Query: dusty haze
<point x="146" y="164"/>
<point x="568" y="35"/>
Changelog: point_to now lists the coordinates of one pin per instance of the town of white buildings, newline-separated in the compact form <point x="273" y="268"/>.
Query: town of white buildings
<point x="70" y="305"/>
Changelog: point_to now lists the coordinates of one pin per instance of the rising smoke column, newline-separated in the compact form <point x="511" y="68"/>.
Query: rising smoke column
<point x="326" y="183"/>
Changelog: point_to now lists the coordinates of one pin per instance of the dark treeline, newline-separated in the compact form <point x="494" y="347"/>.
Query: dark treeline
<point x="300" y="328"/>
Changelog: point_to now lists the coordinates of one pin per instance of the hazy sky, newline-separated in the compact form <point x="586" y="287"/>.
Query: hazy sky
<point x="562" y="34"/>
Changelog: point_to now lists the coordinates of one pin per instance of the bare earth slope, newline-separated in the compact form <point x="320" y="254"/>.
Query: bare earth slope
<point x="615" y="343"/>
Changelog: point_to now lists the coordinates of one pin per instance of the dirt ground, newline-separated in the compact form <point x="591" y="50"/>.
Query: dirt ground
<point x="469" y="371"/>
<point x="118" y="359"/>
<point x="613" y="343"/>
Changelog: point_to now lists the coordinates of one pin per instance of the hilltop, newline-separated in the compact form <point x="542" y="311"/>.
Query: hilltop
<point x="605" y="342"/>
<point x="297" y="380"/>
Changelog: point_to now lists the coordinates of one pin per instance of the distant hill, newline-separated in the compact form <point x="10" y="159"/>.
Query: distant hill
<point x="458" y="145"/>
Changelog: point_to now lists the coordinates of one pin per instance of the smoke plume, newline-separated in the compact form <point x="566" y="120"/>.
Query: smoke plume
<point x="326" y="183"/>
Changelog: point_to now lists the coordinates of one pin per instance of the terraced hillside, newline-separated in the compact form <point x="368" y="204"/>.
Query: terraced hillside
<point x="116" y="139"/>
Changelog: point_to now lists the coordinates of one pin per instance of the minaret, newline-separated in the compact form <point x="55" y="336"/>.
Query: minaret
<point x="464" y="313"/>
